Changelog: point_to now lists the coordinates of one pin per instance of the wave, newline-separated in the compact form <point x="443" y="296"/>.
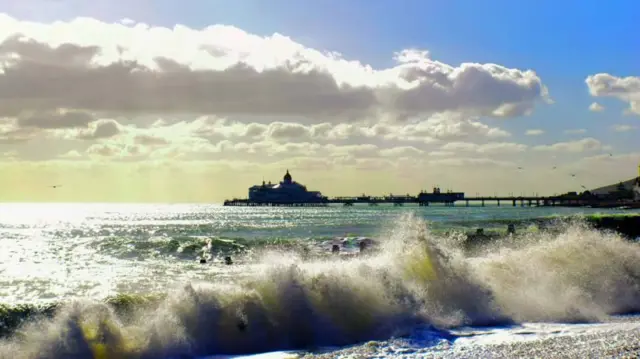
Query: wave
<point x="414" y="278"/>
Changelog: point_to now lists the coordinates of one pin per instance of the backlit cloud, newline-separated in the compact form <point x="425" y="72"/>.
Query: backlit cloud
<point x="86" y="64"/>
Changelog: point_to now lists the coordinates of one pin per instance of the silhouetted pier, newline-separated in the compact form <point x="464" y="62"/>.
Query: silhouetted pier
<point x="289" y="193"/>
<point x="447" y="200"/>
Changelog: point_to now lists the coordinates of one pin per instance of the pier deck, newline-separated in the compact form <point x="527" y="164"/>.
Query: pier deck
<point x="446" y="200"/>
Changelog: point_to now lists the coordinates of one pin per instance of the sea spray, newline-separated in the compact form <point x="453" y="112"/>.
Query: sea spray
<point x="576" y="275"/>
<point x="415" y="278"/>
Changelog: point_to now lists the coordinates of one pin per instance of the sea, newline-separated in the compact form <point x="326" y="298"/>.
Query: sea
<point x="207" y="281"/>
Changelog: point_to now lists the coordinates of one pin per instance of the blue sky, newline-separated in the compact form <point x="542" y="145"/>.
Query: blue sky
<point x="563" y="41"/>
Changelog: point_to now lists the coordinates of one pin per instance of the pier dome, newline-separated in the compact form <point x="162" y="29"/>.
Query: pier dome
<point x="285" y="192"/>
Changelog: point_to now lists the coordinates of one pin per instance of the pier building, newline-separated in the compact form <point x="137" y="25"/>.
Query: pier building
<point x="437" y="196"/>
<point x="286" y="192"/>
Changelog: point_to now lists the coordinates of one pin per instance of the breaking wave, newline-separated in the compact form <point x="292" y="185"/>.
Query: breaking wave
<point x="413" y="278"/>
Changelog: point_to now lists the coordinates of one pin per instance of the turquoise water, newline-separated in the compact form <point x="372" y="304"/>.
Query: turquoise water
<point x="76" y="255"/>
<point x="77" y="220"/>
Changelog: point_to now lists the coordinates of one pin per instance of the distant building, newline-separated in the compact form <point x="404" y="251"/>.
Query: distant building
<point x="287" y="191"/>
<point x="438" y="196"/>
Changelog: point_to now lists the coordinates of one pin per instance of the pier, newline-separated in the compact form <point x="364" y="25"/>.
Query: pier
<point x="514" y="201"/>
<point x="289" y="193"/>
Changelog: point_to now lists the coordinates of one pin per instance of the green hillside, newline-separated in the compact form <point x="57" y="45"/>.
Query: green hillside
<point x="628" y="185"/>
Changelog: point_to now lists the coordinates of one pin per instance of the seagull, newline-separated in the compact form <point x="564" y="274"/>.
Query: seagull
<point x="519" y="168"/>
<point x="554" y="167"/>
<point x="56" y="186"/>
<point x="573" y="175"/>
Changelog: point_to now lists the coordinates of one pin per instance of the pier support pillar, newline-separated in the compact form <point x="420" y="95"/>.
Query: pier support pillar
<point x="467" y="203"/>
<point x="514" y="202"/>
<point x="498" y="203"/>
<point x="483" y="203"/>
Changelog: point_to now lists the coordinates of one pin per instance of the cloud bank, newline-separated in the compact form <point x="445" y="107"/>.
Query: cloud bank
<point x="86" y="92"/>
<point x="86" y="64"/>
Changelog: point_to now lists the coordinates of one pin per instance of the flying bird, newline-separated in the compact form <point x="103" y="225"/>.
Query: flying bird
<point x="56" y="186"/>
<point x="573" y="175"/>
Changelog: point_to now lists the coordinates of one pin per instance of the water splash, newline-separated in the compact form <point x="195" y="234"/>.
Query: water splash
<point x="416" y="278"/>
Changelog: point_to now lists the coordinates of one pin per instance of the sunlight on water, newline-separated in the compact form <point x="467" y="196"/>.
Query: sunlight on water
<point x="282" y="296"/>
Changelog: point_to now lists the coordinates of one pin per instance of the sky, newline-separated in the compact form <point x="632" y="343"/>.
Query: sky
<point x="195" y="101"/>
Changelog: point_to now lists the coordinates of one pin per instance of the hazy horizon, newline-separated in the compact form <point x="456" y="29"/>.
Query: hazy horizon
<point x="161" y="103"/>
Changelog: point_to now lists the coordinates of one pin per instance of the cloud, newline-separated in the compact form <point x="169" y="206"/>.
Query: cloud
<point x="441" y="153"/>
<point x="583" y="145"/>
<point x="577" y="131"/>
<point x="89" y="65"/>
<point x="488" y="148"/>
<point x="596" y="107"/>
<point x="100" y="129"/>
<point x="623" y="128"/>
<point x="403" y="151"/>
<point x="73" y="154"/>
<point x="469" y="162"/>
<point x="55" y="120"/>
<point x="629" y="160"/>
<point x="534" y="132"/>
<point x="437" y="127"/>
<point x="626" y="89"/>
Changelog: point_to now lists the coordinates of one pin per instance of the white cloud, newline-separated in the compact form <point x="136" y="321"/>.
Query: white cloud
<point x="583" y="145"/>
<point x="403" y="151"/>
<point x="73" y="154"/>
<point x="441" y="153"/>
<point x="596" y="107"/>
<point x="469" y="162"/>
<point x="437" y="127"/>
<point x="488" y="148"/>
<point x="623" y="128"/>
<point x="534" y="132"/>
<point x="577" y="131"/>
<point x="626" y="89"/>
<point x="86" y="64"/>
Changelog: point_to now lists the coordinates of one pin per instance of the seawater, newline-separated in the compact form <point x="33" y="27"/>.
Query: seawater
<point x="276" y="296"/>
